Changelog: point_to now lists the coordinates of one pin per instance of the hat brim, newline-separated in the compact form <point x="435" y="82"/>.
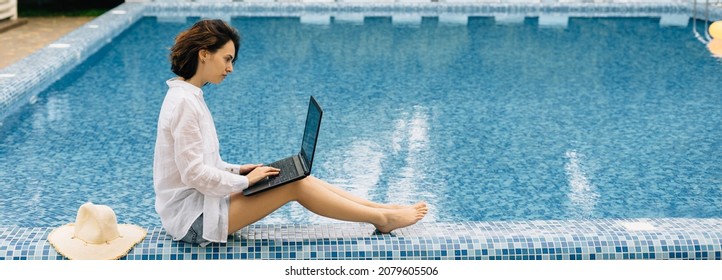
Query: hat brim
<point x="73" y="248"/>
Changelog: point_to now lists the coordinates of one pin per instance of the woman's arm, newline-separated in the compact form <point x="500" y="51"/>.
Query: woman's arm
<point x="189" y="157"/>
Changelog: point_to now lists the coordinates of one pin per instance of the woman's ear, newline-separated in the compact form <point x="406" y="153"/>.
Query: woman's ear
<point x="203" y="55"/>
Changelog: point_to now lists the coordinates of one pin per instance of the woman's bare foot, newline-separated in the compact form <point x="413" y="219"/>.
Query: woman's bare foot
<point x="396" y="206"/>
<point x="402" y="217"/>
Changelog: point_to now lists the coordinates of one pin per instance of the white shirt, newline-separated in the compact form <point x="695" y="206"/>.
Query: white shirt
<point x="189" y="176"/>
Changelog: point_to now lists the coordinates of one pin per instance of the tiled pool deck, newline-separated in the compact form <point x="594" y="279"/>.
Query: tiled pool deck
<point x="524" y="240"/>
<point x="662" y="238"/>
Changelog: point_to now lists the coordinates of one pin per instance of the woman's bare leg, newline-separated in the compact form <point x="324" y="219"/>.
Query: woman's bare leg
<point x="357" y="199"/>
<point x="245" y="210"/>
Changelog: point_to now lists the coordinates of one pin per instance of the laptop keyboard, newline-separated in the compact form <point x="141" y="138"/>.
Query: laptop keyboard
<point x="288" y="170"/>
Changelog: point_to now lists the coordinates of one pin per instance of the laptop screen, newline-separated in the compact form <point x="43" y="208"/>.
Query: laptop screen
<point x="310" y="133"/>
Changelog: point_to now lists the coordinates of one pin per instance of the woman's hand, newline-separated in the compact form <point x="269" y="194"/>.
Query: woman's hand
<point x="261" y="172"/>
<point x="247" y="168"/>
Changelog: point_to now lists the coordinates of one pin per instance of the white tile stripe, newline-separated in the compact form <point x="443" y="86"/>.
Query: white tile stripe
<point x="59" y="46"/>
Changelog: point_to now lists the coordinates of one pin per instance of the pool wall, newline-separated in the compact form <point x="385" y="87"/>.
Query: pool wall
<point x="667" y="238"/>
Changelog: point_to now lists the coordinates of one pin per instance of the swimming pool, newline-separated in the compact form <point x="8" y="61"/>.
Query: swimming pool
<point x="556" y="117"/>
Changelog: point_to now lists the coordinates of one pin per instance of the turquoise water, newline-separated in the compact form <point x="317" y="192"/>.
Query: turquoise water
<point x="606" y="118"/>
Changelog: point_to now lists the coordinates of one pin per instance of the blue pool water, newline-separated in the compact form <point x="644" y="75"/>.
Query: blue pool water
<point x="607" y="118"/>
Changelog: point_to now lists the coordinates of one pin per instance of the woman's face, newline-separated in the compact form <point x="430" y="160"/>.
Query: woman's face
<point x="217" y="65"/>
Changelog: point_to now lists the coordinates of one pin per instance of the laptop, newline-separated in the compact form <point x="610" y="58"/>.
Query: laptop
<point x="297" y="166"/>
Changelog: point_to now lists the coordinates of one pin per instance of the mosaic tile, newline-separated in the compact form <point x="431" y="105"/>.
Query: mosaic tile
<point x="527" y="240"/>
<point x="21" y="81"/>
<point x="26" y="78"/>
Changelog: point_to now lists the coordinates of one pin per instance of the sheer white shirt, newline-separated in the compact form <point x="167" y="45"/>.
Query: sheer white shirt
<point x="189" y="176"/>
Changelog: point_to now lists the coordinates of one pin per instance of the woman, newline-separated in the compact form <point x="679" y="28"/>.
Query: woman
<point x="198" y="195"/>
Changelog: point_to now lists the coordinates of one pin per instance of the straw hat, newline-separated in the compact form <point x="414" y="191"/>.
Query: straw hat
<point x="95" y="235"/>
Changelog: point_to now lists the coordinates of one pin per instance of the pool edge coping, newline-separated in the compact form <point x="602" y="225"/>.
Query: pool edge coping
<point x="603" y="239"/>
